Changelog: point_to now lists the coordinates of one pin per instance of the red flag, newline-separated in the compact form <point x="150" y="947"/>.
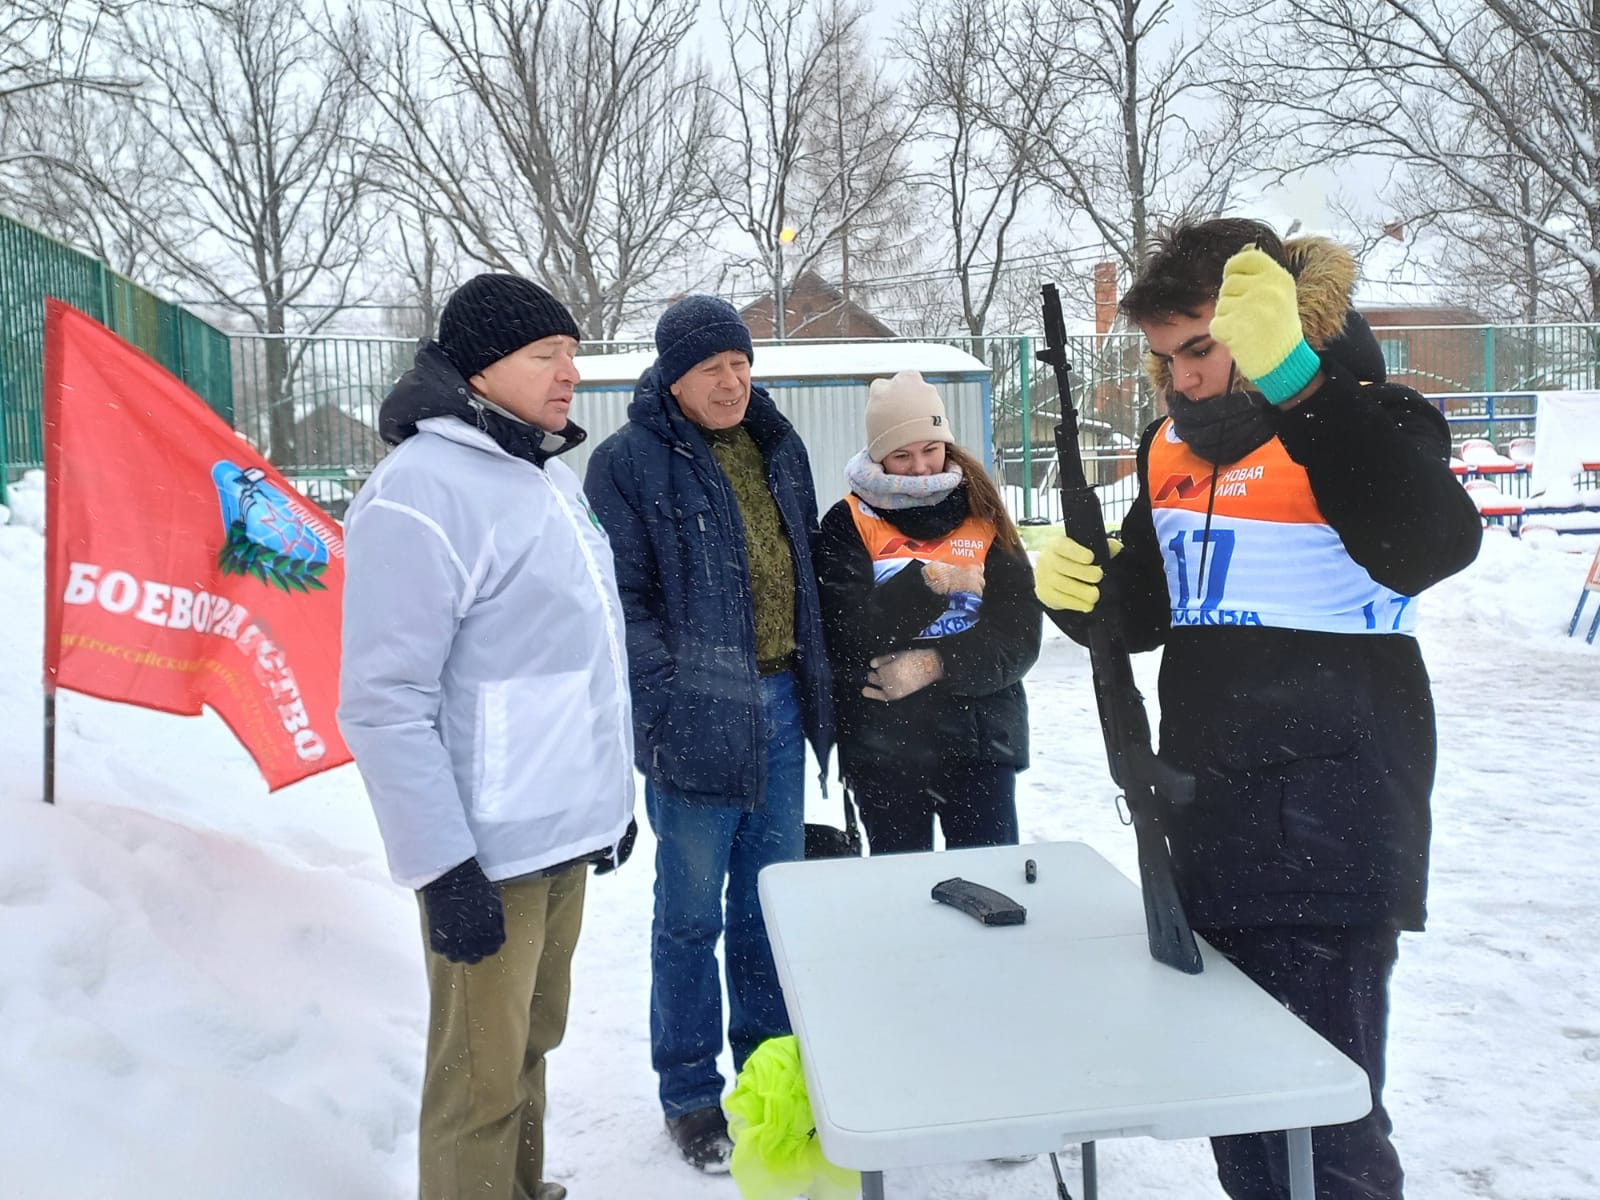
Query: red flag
<point x="181" y="569"/>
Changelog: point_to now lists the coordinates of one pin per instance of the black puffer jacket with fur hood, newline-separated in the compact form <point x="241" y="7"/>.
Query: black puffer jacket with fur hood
<point x="1314" y="752"/>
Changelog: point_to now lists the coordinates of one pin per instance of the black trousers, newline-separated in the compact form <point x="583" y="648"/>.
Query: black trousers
<point x="1336" y="980"/>
<point x="976" y="804"/>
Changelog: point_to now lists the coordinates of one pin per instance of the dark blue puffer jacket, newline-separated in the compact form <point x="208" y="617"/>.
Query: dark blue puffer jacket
<point x="678" y="539"/>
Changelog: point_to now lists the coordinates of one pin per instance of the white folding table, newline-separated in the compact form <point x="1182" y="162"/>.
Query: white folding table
<point x="930" y="1038"/>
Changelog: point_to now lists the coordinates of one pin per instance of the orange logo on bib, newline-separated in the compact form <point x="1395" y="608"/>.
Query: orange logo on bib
<point x="1186" y="487"/>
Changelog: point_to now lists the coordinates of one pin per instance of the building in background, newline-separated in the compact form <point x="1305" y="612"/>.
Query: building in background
<point x="1420" y="354"/>
<point x="814" y="309"/>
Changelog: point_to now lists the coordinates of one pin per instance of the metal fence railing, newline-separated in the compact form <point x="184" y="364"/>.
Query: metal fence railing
<point x="311" y="403"/>
<point x="1112" y="397"/>
<point x="1497" y="416"/>
<point x="33" y="266"/>
<point x="326" y="391"/>
<point x="1491" y="359"/>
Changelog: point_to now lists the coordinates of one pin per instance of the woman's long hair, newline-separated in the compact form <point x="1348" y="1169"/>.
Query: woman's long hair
<point x="983" y="498"/>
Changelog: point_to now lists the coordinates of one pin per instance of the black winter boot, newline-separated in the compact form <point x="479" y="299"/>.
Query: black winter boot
<point x="702" y="1138"/>
<point x="543" y="1191"/>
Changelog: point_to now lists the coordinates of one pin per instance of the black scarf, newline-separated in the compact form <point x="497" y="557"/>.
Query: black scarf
<point x="1222" y="430"/>
<point x="521" y="439"/>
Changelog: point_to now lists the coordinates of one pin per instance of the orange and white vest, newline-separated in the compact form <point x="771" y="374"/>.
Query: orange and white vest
<point x="1271" y="558"/>
<point x="966" y="545"/>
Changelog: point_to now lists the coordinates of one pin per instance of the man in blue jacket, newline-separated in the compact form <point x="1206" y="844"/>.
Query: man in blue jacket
<point x="707" y="497"/>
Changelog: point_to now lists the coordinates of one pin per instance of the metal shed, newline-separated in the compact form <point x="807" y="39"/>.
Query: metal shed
<point x="821" y="387"/>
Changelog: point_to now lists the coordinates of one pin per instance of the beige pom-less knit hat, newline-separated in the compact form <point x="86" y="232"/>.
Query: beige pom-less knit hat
<point x="903" y="410"/>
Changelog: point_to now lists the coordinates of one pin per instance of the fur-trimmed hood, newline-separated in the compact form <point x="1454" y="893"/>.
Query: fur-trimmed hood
<point x="1325" y="278"/>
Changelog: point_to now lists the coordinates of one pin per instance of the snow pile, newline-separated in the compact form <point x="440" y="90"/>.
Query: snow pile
<point x="24" y="506"/>
<point x="209" y="992"/>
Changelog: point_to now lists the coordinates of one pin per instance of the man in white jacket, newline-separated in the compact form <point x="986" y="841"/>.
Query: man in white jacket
<point x="484" y="693"/>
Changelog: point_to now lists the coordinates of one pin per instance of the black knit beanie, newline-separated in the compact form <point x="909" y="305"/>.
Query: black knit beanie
<point x="694" y="329"/>
<point x="491" y="316"/>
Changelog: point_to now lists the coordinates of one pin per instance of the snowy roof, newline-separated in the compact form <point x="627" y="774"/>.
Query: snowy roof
<point x="812" y="360"/>
<point x="1395" y="275"/>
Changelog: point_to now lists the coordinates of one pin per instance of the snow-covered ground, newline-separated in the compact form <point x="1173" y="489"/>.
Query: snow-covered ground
<point x="210" y="992"/>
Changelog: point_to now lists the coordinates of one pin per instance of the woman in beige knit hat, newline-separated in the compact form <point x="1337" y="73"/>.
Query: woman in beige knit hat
<point x="928" y="609"/>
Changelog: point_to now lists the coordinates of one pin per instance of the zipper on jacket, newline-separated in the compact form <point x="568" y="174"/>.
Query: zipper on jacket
<point x="718" y="480"/>
<point x="705" y="553"/>
<point x="745" y="595"/>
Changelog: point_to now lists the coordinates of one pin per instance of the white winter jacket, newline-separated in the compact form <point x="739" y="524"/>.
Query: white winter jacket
<point x="483" y="688"/>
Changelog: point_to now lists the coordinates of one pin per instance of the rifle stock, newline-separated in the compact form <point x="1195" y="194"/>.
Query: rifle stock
<point x="1149" y="785"/>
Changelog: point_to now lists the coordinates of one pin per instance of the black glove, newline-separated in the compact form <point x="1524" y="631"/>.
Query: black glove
<point x="465" y="920"/>
<point x="624" y="849"/>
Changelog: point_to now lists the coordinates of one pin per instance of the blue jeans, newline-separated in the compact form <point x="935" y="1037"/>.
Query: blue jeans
<point x="700" y="850"/>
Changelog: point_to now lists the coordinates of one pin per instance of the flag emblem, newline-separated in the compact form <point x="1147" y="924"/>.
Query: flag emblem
<point x="266" y="535"/>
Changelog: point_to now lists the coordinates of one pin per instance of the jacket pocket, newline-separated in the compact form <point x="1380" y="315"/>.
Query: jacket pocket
<point x="695" y="522"/>
<point x="1327" y="815"/>
<point x="1292" y="818"/>
<point x="535" y="746"/>
<point x="706" y="740"/>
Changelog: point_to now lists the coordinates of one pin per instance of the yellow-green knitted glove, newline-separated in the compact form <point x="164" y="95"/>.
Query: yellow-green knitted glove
<point x="1066" y="575"/>
<point x="1258" y="320"/>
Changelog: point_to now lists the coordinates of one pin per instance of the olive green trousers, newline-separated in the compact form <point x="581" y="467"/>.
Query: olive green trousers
<point x="491" y="1023"/>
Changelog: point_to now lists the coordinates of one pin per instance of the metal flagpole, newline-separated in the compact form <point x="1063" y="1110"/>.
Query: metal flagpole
<point x="49" y="744"/>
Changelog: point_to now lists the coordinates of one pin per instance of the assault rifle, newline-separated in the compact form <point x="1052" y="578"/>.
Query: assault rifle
<point x="1149" y="786"/>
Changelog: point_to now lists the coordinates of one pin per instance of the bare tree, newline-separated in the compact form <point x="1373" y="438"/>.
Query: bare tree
<point x="1154" y="138"/>
<point x="419" y="269"/>
<point x="51" y="66"/>
<point x="70" y="151"/>
<point x="1492" y="110"/>
<point x="270" y="159"/>
<point x="854" y="164"/>
<point x="782" y="55"/>
<point x="1486" y="261"/>
<point x="560" y="138"/>
<point x="50" y="46"/>
<point x="921" y="307"/>
<point x="981" y="98"/>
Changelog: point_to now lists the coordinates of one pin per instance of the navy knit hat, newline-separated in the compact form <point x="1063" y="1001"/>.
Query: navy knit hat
<point x="491" y="316"/>
<point x="694" y="329"/>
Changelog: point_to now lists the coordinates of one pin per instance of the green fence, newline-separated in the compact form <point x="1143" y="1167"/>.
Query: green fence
<point x="1109" y="391"/>
<point x="1491" y="359"/>
<point x="32" y="267"/>
<point x="312" y="403"/>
